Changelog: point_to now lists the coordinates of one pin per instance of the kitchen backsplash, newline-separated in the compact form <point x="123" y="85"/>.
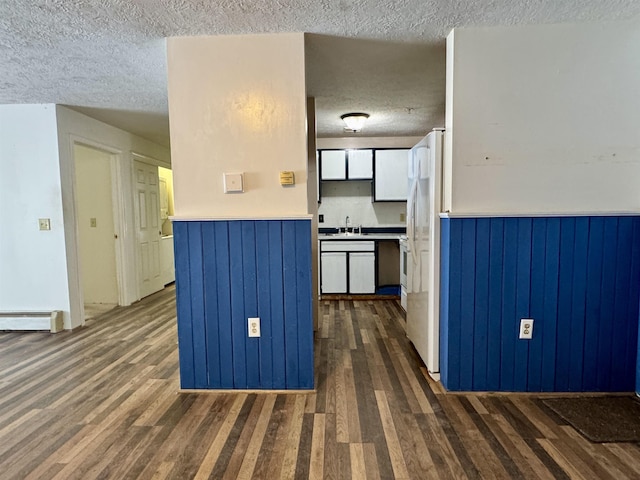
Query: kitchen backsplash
<point x="353" y="198"/>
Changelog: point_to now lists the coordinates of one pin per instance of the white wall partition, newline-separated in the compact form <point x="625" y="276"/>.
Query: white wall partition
<point x="543" y="119"/>
<point x="33" y="271"/>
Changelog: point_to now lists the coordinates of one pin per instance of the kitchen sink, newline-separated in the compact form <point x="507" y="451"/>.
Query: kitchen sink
<point x="344" y="234"/>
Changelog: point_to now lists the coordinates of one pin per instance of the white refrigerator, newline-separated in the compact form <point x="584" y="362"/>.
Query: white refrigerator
<point x="423" y="238"/>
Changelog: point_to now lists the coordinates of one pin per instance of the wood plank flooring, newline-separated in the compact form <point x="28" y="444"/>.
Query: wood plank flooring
<point x="103" y="403"/>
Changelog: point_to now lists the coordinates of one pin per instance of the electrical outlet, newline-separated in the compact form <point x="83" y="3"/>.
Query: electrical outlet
<point x="44" y="224"/>
<point x="403" y="217"/>
<point x="526" y="328"/>
<point x="254" y="327"/>
<point x="93" y="222"/>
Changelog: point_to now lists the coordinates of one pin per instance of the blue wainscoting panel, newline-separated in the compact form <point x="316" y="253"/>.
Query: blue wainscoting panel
<point x="228" y="271"/>
<point x="577" y="277"/>
<point x="445" y="293"/>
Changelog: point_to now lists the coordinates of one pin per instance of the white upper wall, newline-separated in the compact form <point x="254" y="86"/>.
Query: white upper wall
<point x="238" y="104"/>
<point x="367" y="142"/>
<point x="33" y="273"/>
<point x="543" y="119"/>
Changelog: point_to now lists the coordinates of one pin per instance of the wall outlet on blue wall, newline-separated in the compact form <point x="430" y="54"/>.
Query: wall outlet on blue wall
<point x="526" y="328"/>
<point x="254" y="327"/>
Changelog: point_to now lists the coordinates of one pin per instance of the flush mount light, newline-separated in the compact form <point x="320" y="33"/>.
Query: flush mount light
<point x="354" y="121"/>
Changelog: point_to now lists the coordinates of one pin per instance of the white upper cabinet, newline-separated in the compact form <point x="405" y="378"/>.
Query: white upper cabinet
<point x="346" y="164"/>
<point x="390" y="176"/>
<point x="333" y="165"/>
<point x="360" y="164"/>
<point x="386" y="167"/>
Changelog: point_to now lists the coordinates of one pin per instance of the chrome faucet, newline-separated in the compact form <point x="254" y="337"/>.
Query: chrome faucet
<point x="346" y="224"/>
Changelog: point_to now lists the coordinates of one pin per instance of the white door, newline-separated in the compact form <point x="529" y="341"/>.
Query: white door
<point x="147" y="217"/>
<point x="95" y="225"/>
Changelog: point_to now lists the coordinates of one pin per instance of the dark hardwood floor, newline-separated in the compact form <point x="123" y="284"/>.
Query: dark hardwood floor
<point x="103" y="402"/>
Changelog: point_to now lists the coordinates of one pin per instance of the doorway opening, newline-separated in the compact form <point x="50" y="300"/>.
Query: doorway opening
<point x="95" y="201"/>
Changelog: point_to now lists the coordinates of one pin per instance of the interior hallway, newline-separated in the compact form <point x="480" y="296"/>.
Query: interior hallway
<point x="102" y="402"/>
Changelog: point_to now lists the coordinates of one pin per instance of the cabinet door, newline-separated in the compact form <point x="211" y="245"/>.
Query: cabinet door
<point x="362" y="272"/>
<point x="360" y="164"/>
<point x="333" y="268"/>
<point x="390" y="176"/>
<point x="333" y="164"/>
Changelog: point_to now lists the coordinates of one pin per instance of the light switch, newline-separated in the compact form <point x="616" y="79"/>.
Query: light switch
<point x="233" y="183"/>
<point x="93" y="223"/>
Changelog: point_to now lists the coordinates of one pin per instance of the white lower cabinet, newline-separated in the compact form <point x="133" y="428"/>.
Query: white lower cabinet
<point x="348" y="267"/>
<point x="167" y="261"/>
<point x="362" y="272"/>
<point x="334" y="272"/>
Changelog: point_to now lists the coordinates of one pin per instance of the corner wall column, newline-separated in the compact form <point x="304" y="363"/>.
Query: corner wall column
<point x="238" y="106"/>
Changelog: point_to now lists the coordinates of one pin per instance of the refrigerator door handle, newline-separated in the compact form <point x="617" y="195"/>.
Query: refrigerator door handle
<point x="411" y="221"/>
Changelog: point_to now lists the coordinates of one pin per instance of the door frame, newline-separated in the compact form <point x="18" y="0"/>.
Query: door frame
<point x="119" y="216"/>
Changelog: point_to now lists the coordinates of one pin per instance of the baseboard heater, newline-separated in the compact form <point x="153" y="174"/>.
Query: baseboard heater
<point x="52" y="321"/>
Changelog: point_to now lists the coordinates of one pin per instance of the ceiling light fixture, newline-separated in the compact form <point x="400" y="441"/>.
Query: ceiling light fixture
<point x="354" y="121"/>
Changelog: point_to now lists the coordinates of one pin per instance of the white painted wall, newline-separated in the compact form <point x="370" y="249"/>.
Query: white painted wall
<point x="33" y="273"/>
<point x="238" y="104"/>
<point x="367" y="142"/>
<point x="97" y="243"/>
<point x="544" y="119"/>
<point x="353" y="198"/>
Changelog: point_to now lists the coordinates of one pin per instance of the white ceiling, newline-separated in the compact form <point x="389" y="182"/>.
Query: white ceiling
<point x="106" y="58"/>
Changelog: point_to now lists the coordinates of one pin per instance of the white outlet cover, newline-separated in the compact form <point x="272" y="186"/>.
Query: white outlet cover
<point x="254" y="326"/>
<point x="526" y="328"/>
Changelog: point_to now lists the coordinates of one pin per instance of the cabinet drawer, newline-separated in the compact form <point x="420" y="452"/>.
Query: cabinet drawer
<point x="347" y="246"/>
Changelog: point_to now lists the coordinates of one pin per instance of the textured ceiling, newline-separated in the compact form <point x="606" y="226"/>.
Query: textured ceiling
<point x="107" y="57"/>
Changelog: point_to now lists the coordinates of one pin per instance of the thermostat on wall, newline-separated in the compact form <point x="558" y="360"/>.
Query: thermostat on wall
<point x="233" y="183"/>
<point x="287" y="178"/>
